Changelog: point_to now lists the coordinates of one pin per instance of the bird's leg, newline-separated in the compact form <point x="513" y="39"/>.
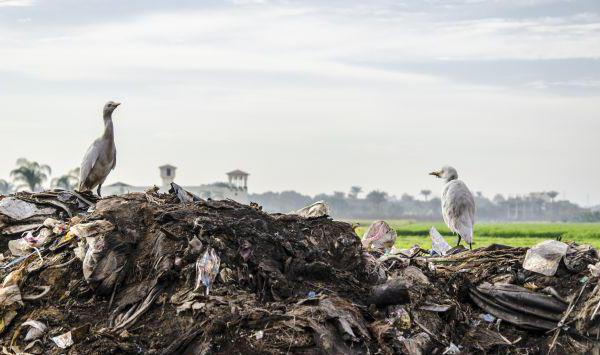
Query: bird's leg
<point x="99" y="190"/>
<point x="459" y="238"/>
<point x="470" y="246"/>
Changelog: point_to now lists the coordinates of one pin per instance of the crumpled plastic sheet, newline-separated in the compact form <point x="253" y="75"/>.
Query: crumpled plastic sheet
<point x="88" y="230"/>
<point x="183" y="195"/>
<point x="19" y="210"/>
<point x="545" y="257"/>
<point x="438" y="243"/>
<point x="9" y="295"/>
<point x="207" y="268"/>
<point x="36" y="329"/>
<point x="380" y="236"/>
<point x="317" y="209"/>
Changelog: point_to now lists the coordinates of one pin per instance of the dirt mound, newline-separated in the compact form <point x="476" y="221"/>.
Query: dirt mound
<point x="146" y="273"/>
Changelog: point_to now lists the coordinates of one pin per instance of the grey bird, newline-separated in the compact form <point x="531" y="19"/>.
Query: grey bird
<point x="458" y="204"/>
<point x="101" y="156"/>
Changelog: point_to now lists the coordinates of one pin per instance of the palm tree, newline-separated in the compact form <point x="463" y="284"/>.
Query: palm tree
<point x="425" y="193"/>
<point x="30" y="174"/>
<point x="6" y="187"/>
<point x="68" y="181"/>
<point x="552" y="195"/>
<point x="354" y="191"/>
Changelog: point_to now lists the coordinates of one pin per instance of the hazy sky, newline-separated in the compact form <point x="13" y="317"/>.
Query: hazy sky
<point x="311" y="95"/>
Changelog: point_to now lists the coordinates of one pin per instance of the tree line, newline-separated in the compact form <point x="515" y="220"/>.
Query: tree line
<point x="376" y="204"/>
<point x="31" y="175"/>
<point x="355" y="204"/>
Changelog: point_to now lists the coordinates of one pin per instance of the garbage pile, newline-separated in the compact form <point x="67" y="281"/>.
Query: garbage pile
<point x="152" y="273"/>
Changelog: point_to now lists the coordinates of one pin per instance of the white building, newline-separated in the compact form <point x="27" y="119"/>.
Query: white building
<point x="236" y="187"/>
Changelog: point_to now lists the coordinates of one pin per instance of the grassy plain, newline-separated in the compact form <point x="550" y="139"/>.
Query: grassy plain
<point x="514" y="234"/>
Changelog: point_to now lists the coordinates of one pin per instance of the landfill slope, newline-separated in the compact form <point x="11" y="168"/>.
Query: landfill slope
<point x="145" y="273"/>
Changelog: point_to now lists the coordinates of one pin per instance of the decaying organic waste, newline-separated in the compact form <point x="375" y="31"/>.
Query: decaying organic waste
<point x="150" y="274"/>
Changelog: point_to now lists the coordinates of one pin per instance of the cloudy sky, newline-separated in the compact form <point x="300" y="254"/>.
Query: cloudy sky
<point x="311" y="95"/>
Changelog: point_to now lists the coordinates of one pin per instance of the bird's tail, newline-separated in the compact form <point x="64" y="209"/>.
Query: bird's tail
<point x="466" y="233"/>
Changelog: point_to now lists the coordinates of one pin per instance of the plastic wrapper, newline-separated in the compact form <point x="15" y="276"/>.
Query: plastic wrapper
<point x="438" y="244"/>
<point x="207" y="268"/>
<point x="380" y="236"/>
<point x="316" y="210"/>
<point x="544" y="257"/>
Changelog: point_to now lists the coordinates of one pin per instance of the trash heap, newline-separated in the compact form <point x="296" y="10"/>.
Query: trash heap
<point x="152" y="273"/>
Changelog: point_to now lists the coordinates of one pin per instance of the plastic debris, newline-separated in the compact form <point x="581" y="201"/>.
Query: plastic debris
<point x="401" y="318"/>
<point x="96" y="248"/>
<point x="259" y="335"/>
<point x="380" y="236"/>
<point x="487" y="318"/>
<point x="316" y="210"/>
<point x="57" y="227"/>
<point x="39" y="240"/>
<point x="19" y="247"/>
<point x="438" y="308"/>
<point x="64" y="341"/>
<point x="9" y="295"/>
<point x="29" y="241"/>
<point x="594" y="269"/>
<point x="544" y="257"/>
<point x="312" y="295"/>
<point x="184" y="195"/>
<point x="70" y="338"/>
<point x="17" y="261"/>
<point x="19" y="210"/>
<point x="226" y="275"/>
<point x="36" y="329"/>
<point x="195" y="245"/>
<point x="452" y="349"/>
<point x="92" y="229"/>
<point x="207" y="268"/>
<point x="438" y="244"/>
<point x="519" y="306"/>
<point x="65" y="239"/>
<point x="405" y="253"/>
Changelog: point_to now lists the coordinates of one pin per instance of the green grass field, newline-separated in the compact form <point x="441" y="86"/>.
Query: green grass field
<point x="514" y="234"/>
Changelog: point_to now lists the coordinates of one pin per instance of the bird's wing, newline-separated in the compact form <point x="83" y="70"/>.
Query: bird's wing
<point x="459" y="209"/>
<point x="114" y="160"/>
<point x="89" y="160"/>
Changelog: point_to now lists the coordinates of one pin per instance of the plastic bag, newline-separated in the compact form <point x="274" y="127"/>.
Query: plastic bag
<point x="380" y="236"/>
<point x="207" y="268"/>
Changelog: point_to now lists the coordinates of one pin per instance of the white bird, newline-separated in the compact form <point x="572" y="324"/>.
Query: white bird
<point x="101" y="156"/>
<point x="458" y="204"/>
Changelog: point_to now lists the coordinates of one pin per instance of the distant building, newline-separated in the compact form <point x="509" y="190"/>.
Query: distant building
<point x="236" y="187"/>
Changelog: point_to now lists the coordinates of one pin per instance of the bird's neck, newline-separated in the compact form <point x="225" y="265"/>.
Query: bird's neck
<point x="108" y="127"/>
<point x="451" y="178"/>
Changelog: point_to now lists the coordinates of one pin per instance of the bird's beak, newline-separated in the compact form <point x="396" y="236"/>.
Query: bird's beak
<point x="117" y="104"/>
<point x="436" y="173"/>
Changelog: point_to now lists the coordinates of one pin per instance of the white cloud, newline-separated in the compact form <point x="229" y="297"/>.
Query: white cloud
<point x="269" y="88"/>
<point x="15" y="3"/>
<point x="285" y="38"/>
